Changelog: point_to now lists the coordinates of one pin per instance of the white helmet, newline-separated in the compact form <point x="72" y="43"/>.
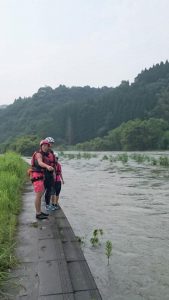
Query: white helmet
<point x="50" y="139"/>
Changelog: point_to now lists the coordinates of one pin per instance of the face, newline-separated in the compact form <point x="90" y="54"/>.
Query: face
<point x="45" y="147"/>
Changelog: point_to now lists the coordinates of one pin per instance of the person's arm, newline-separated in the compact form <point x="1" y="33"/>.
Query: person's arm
<point x="61" y="176"/>
<point x="42" y="164"/>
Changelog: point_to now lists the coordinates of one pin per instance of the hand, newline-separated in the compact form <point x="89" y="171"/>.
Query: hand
<point x="50" y="168"/>
<point x="63" y="182"/>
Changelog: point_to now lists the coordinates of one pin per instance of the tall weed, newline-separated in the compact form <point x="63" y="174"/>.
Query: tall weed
<point x="12" y="178"/>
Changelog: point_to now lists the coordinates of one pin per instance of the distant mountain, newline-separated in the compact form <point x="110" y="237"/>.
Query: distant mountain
<point x="3" y="106"/>
<point x="77" y="114"/>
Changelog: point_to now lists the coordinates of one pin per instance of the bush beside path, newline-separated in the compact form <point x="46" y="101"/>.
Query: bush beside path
<point x="12" y="180"/>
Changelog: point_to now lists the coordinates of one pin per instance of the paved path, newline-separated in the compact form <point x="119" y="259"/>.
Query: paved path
<point x="52" y="263"/>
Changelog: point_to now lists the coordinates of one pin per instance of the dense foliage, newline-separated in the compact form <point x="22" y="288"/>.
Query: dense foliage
<point x="24" y="145"/>
<point x="12" y="178"/>
<point x="78" y="114"/>
<point x="134" y="135"/>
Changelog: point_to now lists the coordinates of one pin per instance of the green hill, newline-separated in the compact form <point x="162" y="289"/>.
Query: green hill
<point x="77" y="114"/>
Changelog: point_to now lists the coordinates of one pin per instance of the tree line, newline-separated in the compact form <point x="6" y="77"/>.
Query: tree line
<point x="79" y="114"/>
<point x="134" y="135"/>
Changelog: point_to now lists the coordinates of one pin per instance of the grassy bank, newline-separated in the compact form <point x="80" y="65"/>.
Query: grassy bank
<point x="12" y="178"/>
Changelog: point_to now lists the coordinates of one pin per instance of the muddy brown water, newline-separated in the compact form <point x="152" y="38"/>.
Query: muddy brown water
<point x="130" y="203"/>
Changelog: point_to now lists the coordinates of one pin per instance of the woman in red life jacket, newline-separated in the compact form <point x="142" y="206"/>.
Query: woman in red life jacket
<point x="39" y="165"/>
<point x="58" y="181"/>
<point x="49" y="179"/>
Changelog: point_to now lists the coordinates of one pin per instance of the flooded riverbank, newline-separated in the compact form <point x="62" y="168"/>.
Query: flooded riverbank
<point x="129" y="202"/>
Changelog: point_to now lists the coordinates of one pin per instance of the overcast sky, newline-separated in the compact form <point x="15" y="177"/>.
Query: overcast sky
<point x="78" y="42"/>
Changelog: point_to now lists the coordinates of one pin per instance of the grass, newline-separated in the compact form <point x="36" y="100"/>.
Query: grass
<point x="12" y="179"/>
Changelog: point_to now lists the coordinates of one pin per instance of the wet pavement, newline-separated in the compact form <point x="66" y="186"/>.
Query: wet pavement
<point x="52" y="264"/>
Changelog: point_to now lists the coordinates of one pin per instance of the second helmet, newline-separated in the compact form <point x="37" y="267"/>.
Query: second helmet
<point x="50" y="139"/>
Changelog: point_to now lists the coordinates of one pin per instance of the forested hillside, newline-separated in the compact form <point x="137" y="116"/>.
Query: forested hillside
<point x="75" y="115"/>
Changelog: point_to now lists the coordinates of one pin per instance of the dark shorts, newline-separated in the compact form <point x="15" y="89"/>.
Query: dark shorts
<point x="49" y="180"/>
<point x="56" y="188"/>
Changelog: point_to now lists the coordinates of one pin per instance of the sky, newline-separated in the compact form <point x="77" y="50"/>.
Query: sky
<point x="78" y="42"/>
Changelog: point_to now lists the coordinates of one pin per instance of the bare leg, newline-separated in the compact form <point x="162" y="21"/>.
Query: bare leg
<point x="38" y="202"/>
<point x="53" y="199"/>
<point x="57" y="199"/>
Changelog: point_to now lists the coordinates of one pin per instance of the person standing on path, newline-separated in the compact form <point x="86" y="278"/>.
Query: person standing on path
<point x="39" y="165"/>
<point x="49" y="179"/>
<point x="58" y="181"/>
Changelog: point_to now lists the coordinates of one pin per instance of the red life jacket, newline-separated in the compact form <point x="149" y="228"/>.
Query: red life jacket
<point x="34" y="162"/>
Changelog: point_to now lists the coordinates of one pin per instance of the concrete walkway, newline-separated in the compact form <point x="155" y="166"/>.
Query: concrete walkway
<point x="52" y="263"/>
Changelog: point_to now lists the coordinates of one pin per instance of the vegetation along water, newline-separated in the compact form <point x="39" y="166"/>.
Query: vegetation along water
<point x="12" y="178"/>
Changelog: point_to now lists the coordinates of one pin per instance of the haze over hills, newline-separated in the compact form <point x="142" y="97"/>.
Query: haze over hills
<point x="77" y="114"/>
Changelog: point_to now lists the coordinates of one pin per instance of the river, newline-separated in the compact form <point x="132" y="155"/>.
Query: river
<point x="130" y="203"/>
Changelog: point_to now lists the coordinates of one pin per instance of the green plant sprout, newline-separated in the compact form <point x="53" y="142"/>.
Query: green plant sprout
<point x="108" y="250"/>
<point x="95" y="238"/>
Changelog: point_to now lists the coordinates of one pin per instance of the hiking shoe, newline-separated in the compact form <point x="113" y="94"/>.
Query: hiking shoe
<point x="57" y="206"/>
<point x="41" y="217"/>
<point x="44" y="214"/>
<point x="53" y="207"/>
<point x="47" y="207"/>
